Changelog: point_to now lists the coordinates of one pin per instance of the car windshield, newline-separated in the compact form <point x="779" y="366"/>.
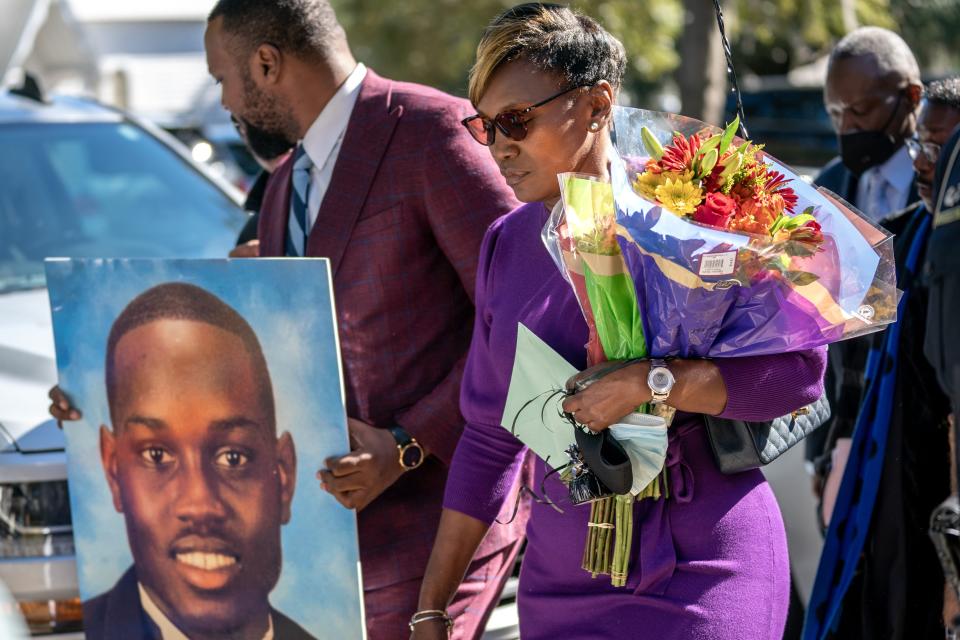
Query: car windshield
<point x="102" y="190"/>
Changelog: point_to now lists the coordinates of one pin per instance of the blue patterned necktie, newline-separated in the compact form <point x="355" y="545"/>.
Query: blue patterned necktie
<point x="298" y="225"/>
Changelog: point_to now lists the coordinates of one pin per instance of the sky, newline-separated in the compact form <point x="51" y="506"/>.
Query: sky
<point x="293" y="319"/>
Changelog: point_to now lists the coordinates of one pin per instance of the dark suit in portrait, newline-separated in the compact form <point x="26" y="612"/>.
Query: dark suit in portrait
<point x="118" y="614"/>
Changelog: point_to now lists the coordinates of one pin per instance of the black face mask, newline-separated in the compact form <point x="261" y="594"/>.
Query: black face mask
<point x="862" y="150"/>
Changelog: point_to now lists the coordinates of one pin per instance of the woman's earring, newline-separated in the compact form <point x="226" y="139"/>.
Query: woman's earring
<point x="594" y="126"/>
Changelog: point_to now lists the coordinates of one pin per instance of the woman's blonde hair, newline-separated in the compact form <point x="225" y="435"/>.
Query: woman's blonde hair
<point x="555" y="39"/>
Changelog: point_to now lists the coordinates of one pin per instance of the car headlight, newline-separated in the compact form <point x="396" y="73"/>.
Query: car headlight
<point x="35" y="519"/>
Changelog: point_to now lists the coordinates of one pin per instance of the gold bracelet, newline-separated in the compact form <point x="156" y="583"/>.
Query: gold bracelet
<point x="431" y="614"/>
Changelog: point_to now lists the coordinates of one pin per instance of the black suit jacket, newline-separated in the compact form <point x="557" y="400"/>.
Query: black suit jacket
<point x="837" y="178"/>
<point x="843" y="382"/>
<point x="118" y="615"/>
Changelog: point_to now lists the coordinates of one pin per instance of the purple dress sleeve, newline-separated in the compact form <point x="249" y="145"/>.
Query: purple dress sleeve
<point x="488" y="458"/>
<point x="762" y="388"/>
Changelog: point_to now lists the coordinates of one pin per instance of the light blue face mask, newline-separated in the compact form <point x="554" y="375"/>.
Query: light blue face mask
<point x="644" y="438"/>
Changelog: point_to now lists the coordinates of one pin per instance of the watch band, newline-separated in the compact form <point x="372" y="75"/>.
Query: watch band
<point x="400" y="435"/>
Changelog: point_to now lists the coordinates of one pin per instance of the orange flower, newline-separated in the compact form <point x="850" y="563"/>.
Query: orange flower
<point x="653" y="167"/>
<point x="762" y="210"/>
<point x="749" y="224"/>
<point x="741" y="192"/>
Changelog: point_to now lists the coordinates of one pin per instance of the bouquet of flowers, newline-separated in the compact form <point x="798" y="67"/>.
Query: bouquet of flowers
<point x="702" y="245"/>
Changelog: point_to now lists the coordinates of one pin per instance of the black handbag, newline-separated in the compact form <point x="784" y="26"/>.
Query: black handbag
<point x="740" y="446"/>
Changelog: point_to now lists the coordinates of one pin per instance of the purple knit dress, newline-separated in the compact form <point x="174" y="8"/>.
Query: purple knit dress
<point x="708" y="563"/>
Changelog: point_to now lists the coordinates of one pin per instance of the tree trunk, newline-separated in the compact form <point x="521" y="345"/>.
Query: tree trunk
<point x="702" y="74"/>
<point x="848" y="10"/>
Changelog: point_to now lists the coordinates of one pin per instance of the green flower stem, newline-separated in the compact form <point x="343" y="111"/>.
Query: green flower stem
<point x="621" y="558"/>
<point x="601" y="563"/>
<point x="629" y="543"/>
<point x="618" y="545"/>
<point x="590" y="547"/>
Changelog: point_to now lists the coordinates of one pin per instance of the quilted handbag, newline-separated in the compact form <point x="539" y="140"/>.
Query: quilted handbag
<point x="741" y="446"/>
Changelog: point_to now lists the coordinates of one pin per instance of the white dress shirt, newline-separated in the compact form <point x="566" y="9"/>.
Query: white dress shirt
<point x="324" y="137"/>
<point x="168" y="630"/>
<point x="884" y="189"/>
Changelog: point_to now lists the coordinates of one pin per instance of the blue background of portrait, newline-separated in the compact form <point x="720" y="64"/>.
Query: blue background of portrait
<point x="288" y="303"/>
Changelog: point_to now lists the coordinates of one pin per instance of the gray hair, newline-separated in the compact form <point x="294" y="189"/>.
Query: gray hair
<point x="891" y="54"/>
<point x="944" y="92"/>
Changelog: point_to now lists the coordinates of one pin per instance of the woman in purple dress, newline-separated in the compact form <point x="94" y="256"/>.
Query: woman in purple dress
<point x="711" y="560"/>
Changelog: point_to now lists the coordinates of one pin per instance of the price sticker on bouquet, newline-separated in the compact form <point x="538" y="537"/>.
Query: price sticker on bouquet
<point x="718" y="264"/>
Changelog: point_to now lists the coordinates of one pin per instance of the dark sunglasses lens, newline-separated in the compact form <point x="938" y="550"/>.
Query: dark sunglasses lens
<point x="481" y="130"/>
<point x="512" y="126"/>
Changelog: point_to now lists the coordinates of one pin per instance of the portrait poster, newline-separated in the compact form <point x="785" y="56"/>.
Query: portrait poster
<point x="211" y="393"/>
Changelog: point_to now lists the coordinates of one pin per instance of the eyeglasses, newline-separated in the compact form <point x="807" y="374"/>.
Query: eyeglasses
<point x="930" y="150"/>
<point x="509" y="123"/>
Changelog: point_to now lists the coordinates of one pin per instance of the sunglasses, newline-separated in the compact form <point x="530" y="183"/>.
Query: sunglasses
<point x="930" y="150"/>
<point x="510" y="123"/>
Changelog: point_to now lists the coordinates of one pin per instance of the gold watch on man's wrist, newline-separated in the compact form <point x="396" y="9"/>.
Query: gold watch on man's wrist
<point x="410" y="452"/>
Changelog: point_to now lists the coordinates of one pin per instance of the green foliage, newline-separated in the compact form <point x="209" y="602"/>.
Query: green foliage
<point x="434" y="41"/>
<point x="773" y="36"/>
<point x="930" y="27"/>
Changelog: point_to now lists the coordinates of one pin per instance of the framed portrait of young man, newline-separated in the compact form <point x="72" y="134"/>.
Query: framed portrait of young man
<point x="210" y="393"/>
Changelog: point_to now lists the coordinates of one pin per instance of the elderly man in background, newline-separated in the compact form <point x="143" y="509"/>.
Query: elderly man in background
<point x="872" y="95"/>
<point x="897" y="590"/>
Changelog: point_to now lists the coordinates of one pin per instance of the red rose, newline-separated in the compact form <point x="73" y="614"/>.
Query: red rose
<point x="716" y="210"/>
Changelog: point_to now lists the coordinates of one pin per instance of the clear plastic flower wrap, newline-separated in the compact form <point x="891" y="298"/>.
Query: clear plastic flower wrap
<point x="703" y="245"/>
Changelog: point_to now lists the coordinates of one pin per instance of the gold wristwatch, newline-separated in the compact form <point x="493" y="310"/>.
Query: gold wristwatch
<point x="411" y="453"/>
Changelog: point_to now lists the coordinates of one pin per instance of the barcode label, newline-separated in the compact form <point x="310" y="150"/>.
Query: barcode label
<point x="718" y="264"/>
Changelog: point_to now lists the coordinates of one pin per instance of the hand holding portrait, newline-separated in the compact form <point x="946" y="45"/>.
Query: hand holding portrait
<point x="357" y="478"/>
<point x="60" y="406"/>
<point x="250" y="249"/>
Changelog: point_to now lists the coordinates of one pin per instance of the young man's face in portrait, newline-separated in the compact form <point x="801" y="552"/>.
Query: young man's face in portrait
<point x="196" y="468"/>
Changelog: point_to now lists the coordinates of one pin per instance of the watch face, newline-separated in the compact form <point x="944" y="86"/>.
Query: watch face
<point x="412" y="456"/>
<point x="661" y="380"/>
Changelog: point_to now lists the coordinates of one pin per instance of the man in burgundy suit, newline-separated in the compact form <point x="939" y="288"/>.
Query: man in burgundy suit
<point x="387" y="184"/>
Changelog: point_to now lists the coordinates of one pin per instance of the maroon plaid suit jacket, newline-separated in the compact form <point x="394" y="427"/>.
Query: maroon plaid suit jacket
<point x="409" y="201"/>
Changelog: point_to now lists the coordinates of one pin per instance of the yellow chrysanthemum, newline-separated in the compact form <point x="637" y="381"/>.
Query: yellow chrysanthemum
<point x="647" y="182"/>
<point x="679" y="196"/>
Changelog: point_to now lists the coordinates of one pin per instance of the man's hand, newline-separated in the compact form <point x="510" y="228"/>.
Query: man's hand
<point x="249" y="249"/>
<point x="357" y="478"/>
<point x="61" y="408"/>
